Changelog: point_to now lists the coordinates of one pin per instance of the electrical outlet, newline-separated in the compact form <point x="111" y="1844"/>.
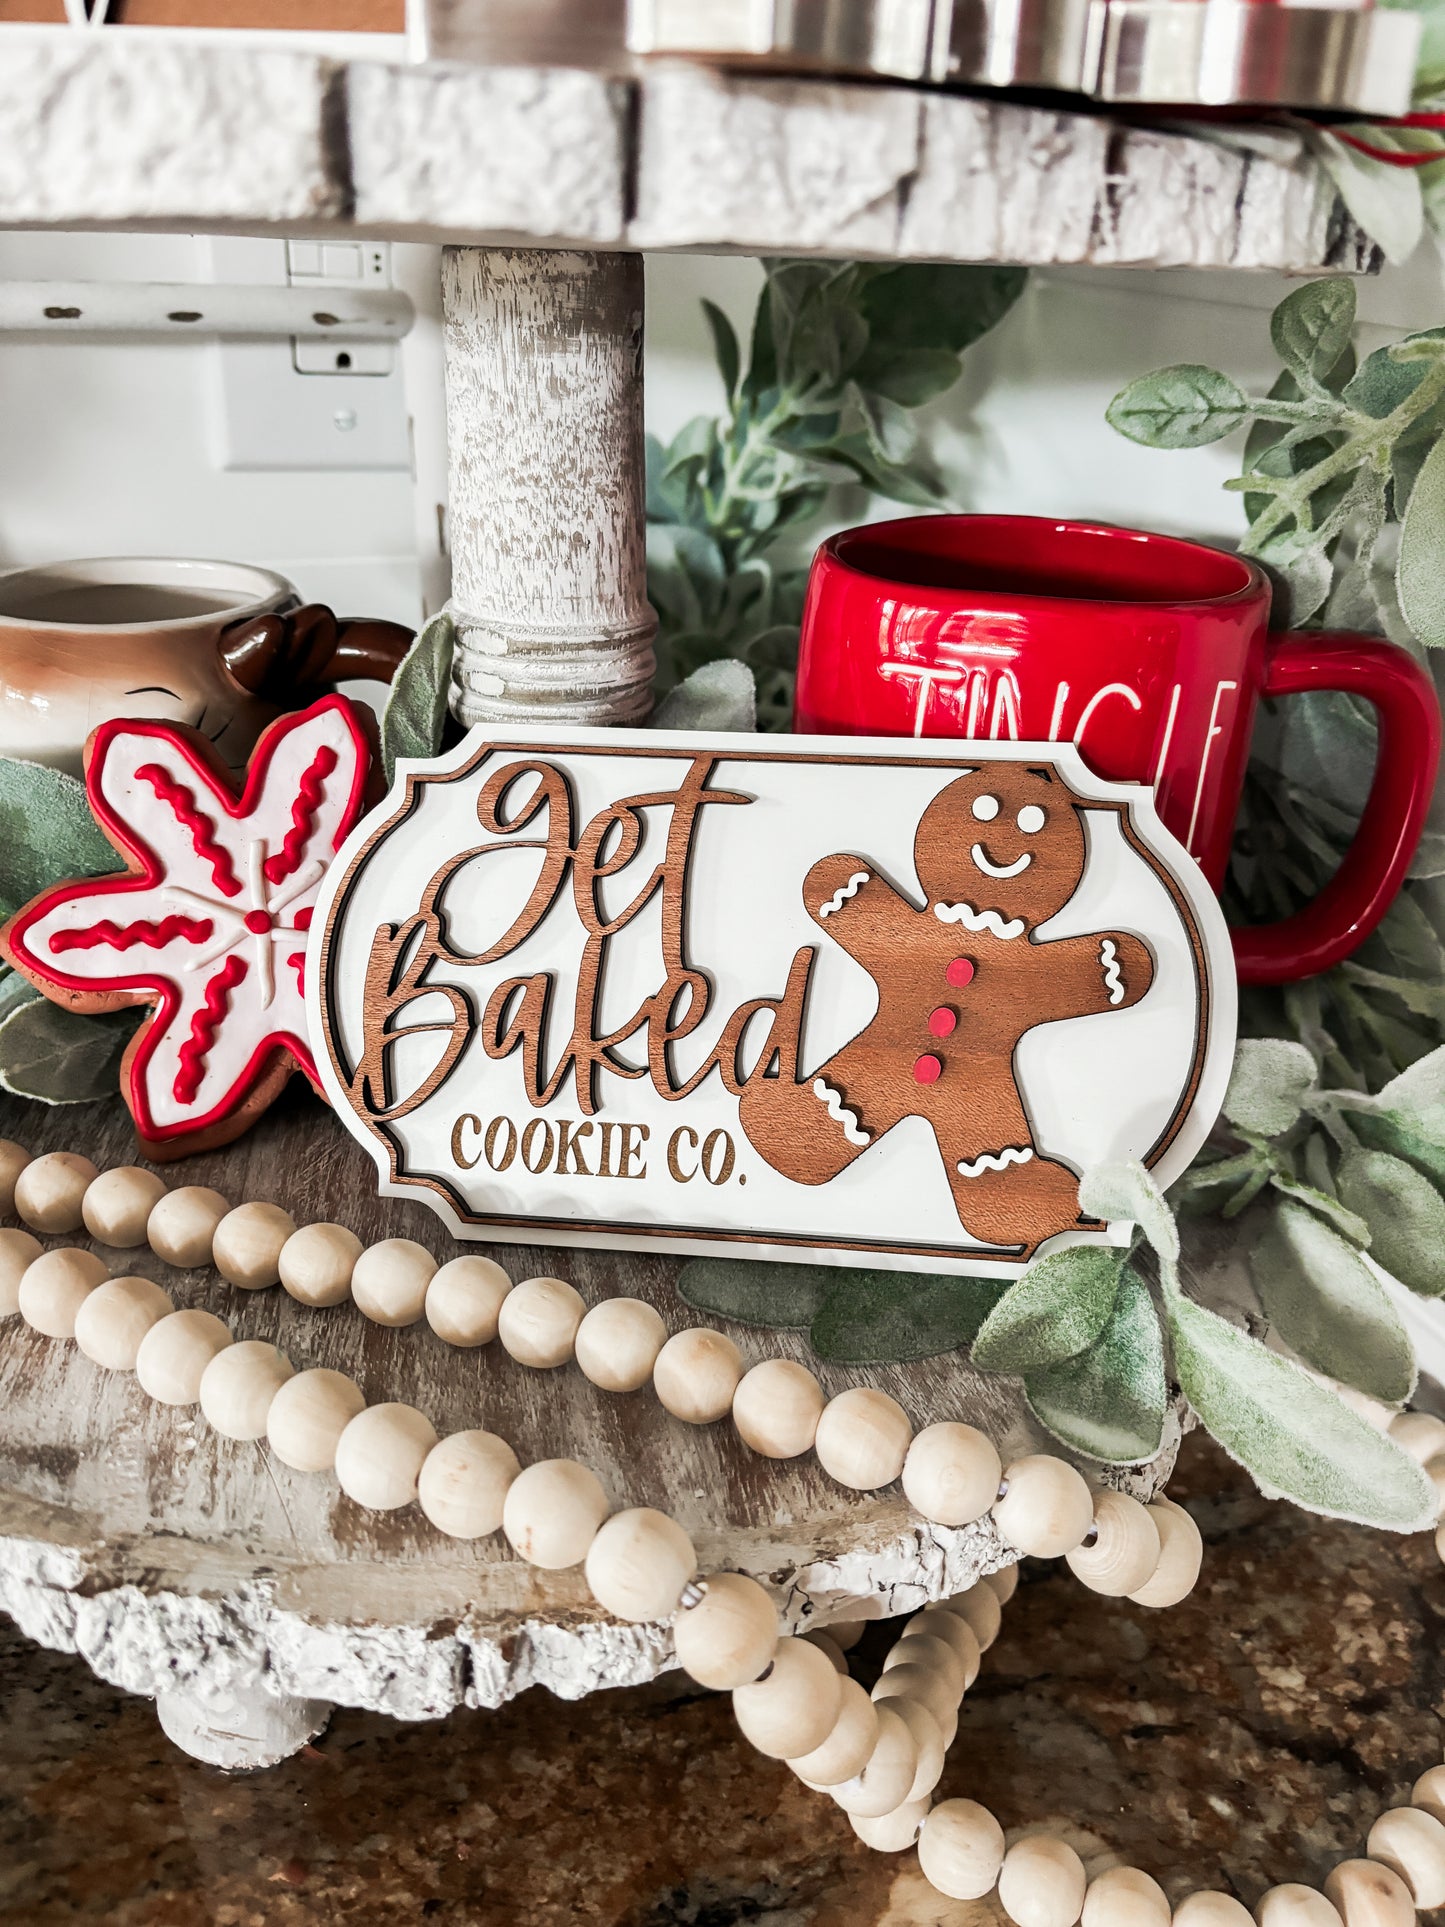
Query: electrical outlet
<point x="308" y="404"/>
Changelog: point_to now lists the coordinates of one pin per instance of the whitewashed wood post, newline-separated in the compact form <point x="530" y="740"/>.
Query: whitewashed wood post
<point x="546" y="519"/>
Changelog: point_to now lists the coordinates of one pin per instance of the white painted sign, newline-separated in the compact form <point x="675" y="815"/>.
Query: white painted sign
<point x="875" y="1000"/>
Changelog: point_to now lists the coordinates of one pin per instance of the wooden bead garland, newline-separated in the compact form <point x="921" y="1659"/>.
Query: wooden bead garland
<point x="239" y="1386"/>
<point x="50" y="1191"/>
<point x="980" y="1611"/>
<point x="1046" y="1507"/>
<point x="116" y="1208"/>
<point x="696" y="1375"/>
<point x="307" y="1417"/>
<point x="927" y="1736"/>
<point x="538" y="1322"/>
<point x="883" y="1782"/>
<point x="638" y="1564"/>
<point x="792" y="1708"/>
<point x="13" y="1160"/>
<point x="1209" y="1909"/>
<point x="726" y="1637"/>
<point x="173" y="1355"/>
<point x="248" y="1243"/>
<point x="18" y="1251"/>
<point x="951" y="1474"/>
<point x="551" y="1513"/>
<point x="1181" y="1553"/>
<point x="54" y="1287"/>
<point x="862" y="1438"/>
<point x="1364" y="1893"/>
<point x="1412" y="1843"/>
<point x="464" y="1299"/>
<point x="1041" y="1882"/>
<point x="776" y="1408"/>
<point x="961" y="1849"/>
<point x="380" y="1455"/>
<point x="618" y="1343"/>
<point x="114" y="1318"/>
<point x="893" y="1832"/>
<point x="315" y="1264"/>
<point x="1123" y="1551"/>
<point x="389" y="1281"/>
<point x="1294" y="1905"/>
<point x="1129" y="1897"/>
<point x="183" y="1223"/>
<point x="464" y="1481"/>
<point x="850" y="1742"/>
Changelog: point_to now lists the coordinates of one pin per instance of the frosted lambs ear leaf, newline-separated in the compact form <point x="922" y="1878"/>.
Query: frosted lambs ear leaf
<point x="1126" y="1192"/>
<point x="1312" y="326"/>
<point x="1419" y="577"/>
<point x="59" y="1056"/>
<point x="1327" y="1305"/>
<point x="719" y="695"/>
<point x="1406" y="1216"/>
<point x="416" y="709"/>
<point x="47" y="833"/>
<point x="784" y="1297"/>
<point x="1187" y="406"/>
<point x="1110" y="1401"/>
<point x="1296" y="1438"/>
<point x="1268" y="1084"/>
<point x="1056" y="1310"/>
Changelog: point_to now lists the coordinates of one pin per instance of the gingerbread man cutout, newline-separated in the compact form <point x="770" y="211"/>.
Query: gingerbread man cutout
<point x="960" y="981"/>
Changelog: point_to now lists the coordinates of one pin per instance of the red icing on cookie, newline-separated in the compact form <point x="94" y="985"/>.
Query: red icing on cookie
<point x="943" y="1021"/>
<point x="208" y="923"/>
<point x="960" y="972"/>
<point x="927" y="1070"/>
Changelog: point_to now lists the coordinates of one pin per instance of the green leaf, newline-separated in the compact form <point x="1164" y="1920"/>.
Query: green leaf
<point x="1385" y="200"/>
<point x="14" y="991"/>
<point x="782" y="1297"/>
<point x="1420" y="574"/>
<point x="1297" y="1439"/>
<point x="1384" y="1131"/>
<point x="873" y="1317"/>
<point x="891" y="433"/>
<point x="47" y="833"/>
<point x="720" y="695"/>
<point x="1268" y="1084"/>
<point x="1186" y="406"/>
<point x="60" y="1057"/>
<point x="1110" y="1401"/>
<point x="1323" y="1206"/>
<point x="416" y="709"/>
<point x="911" y="376"/>
<point x="898" y="484"/>
<point x="1126" y="1193"/>
<point x="1406" y="1216"/>
<point x="1327" y="1305"/>
<point x="1382" y="381"/>
<point x="1055" y="1311"/>
<point x="725" y="347"/>
<point x="1311" y="328"/>
<point x="918" y="306"/>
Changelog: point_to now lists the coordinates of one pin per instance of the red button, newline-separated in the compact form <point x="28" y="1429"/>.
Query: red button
<point x="943" y="1021"/>
<point x="258" y="922"/>
<point x="960" y="972"/>
<point x="927" y="1070"/>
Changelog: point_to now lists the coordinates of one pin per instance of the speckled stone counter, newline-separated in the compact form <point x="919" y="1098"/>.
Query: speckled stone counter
<point x="1246" y="1737"/>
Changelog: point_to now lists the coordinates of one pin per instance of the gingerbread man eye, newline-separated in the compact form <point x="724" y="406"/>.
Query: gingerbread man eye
<point x="1031" y="819"/>
<point x="985" y="808"/>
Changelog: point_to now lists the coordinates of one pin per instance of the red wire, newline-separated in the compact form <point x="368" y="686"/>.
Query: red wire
<point x="1388" y="155"/>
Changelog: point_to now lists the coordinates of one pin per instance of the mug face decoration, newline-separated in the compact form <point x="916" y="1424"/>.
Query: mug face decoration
<point x="849" y="999"/>
<point x="208" y="923"/>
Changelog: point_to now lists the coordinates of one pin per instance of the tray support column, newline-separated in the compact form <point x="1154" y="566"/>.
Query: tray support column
<point x="547" y="488"/>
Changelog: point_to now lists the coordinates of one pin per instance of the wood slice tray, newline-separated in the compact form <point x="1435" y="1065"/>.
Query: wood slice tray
<point x="174" y="1560"/>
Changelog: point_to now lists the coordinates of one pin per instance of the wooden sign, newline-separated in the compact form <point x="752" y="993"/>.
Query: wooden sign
<point x="872" y="1000"/>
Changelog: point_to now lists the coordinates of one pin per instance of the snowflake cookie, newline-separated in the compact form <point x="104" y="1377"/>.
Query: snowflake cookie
<point x="209" y="921"/>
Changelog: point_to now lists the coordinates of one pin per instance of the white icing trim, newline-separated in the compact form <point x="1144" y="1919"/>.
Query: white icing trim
<point x="1109" y="958"/>
<point x="991" y="1161"/>
<point x="841" y="895"/>
<point x="972" y="919"/>
<point x="838" y="1111"/>
<point x="1016" y="868"/>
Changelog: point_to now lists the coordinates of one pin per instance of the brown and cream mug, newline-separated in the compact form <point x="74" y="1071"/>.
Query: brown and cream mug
<point x="223" y="646"/>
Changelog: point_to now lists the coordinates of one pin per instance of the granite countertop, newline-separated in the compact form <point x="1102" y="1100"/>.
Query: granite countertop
<point x="1247" y="1737"/>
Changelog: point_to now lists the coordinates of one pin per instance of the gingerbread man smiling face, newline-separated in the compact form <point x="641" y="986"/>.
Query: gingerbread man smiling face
<point x="960" y="979"/>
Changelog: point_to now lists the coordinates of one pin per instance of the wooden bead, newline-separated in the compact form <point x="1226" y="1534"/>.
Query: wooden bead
<point x="845" y="1633"/>
<point x="315" y="1264"/>
<point x="980" y="1611"/>
<point x="1041" y="1882"/>
<point x="956" y="1632"/>
<point x="891" y="1832"/>
<point x="883" y="1782"/>
<point x="847" y="1748"/>
<point x="933" y="1654"/>
<point x="54" y="1286"/>
<point x="923" y="1684"/>
<point x="639" y="1563"/>
<point x="1420" y="1434"/>
<point x="1047" y="1508"/>
<point x="793" y="1707"/>
<point x="116" y="1208"/>
<point x="1428" y="1792"/>
<point x="618" y="1343"/>
<point x="960" y="1849"/>
<point x="551" y="1513"/>
<point x="18" y="1251"/>
<point x="1005" y="1583"/>
<point x="308" y="1415"/>
<point x="696" y="1374"/>
<point x="728" y="1638"/>
<point x="1125" y="1553"/>
<point x="183" y="1223"/>
<point x="1291" y="1905"/>
<point x="927" y="1740"/>
<point x="862" y="1439"/>
<point x="1367" y="1893"/>
<point x="389" y="1281"/>
<point x="825" y="1643"/>
<point x="173" y="1354"/>
<point x="464" y="1299"/>
<point x="50" y="1191"/>
<point x="238" y="1386"/>
<point x="538" y="1322"/>
<point x="380" y="1454"/>
<point x="951" y="1474"/>
<point x="248" y="1242"/>
<point x="464" y="1481"/>
<point x="1210" y="1909"/>
<point x="1412" y="1843"/>
<point x="13" y="1160"/>
<point x="1125" y="1897"/>
<point x="113" y="1319"/>
<point x="776" y="1408"/>
<point x="1181" y="1553"/>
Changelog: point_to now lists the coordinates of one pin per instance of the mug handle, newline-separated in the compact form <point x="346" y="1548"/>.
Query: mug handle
<point x="1373" y="868"/>
<point x="289" y="657"/>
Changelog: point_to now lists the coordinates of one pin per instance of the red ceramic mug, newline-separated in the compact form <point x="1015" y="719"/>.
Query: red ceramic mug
<point x="1147" y="652"/>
